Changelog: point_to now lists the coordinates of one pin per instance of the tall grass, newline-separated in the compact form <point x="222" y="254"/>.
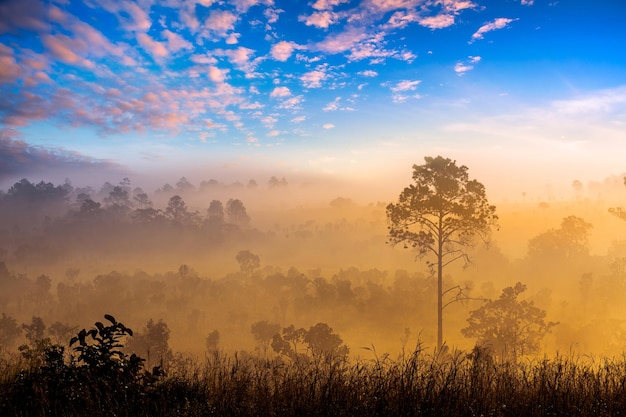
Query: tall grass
<point x="421" y="384"/>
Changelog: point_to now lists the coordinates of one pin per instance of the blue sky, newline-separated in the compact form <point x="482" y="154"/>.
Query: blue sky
<point x="526" y="93"/>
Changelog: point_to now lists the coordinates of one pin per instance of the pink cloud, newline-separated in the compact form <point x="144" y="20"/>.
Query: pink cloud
<point x="176" y="42"/>
<point x="217" y="75"/>
<point x="282" y="50"/>
<point x="62" y="47"/>
<point x="498" y="23"/>
<point x="154" y="48"/>
<point x="220" y="22"/>
<point x="437" y="22"/>
<point x="280" y="92"/>
<point x="341" y="42"/>
<point x="26" y="14"/>
<point x="9" y="69"/>
<point x="320" y="19"/>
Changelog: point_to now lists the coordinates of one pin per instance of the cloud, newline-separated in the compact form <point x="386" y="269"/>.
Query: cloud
<point x="25" y="14"/>
<point x="333" y="105"/>
<point x="437" y="22"/>
<point x="313" y="79"/>
<point x="405" y="85"/>
<point x="217" y="75"/>
<point x="327" y="4"/>
<point x="63" y="48"/>
<point x="341" y="42"/>
<point x="18" y="158"/>
<point x="498" y="23"/>
<point x="461" y="68"/>
<point x="291" y="103"/>
<point x="9" y="69"/>
<point x="282" y="50"/>
<point x="604" y="101"/>
<point x="156" y="49"/>
<point x="176" y="42"/>
<point x="368" y="73"/>
<point x="320" y="19"/>
<point x="241" y="58"/>
<point x="280" y="92"/>
<point x="328" y="126"/>
<point x="220" y="22"/>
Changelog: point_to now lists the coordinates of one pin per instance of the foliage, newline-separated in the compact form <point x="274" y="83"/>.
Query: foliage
<point x="320" y="340"/>
<point x="248" y="261"/>
<point x="440" y="214"/>
<point x="9" y="331"/>
<point x="571" y="240"/>
<point x="454" y="384"/>
<point x="153" y="343"/>
<point x="507" y="326"/>
<point x="263" y="333"/>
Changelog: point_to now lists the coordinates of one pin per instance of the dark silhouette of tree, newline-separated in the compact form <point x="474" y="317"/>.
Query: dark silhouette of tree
<point x="264" y="332"/>
<point x="9" y="331"/>
<point x="440" y="215"/>
<point x="141" y="199"/>
<point x="214" y="222"/>
<point x="569" y="241"/>
<point x="288" y="343"/>
<point x="275" y="182"/>
<point x="177" y="212"/>
<point x="183" y="186"/>
<point x="35" y="330"/>
<point x="325" y="344"/>
<point x="212" y="341"/>
<point x="248" y="261"/>
<point x="236" y="213"/>
<point x="507" y="326"/>
<point x="252" y="184"/>
<point x="319" y="341"/>
<point x="153" y="343"/>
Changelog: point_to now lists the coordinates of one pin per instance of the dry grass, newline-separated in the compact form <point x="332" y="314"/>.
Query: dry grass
<point x="421" y="384"/>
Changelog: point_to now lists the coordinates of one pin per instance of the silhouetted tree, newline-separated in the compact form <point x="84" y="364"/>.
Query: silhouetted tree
<point x="153" y="343"/>
<point x="571" y="240"/>
<point x="212" y="341"/>
<point x="248" y="261"/>
<point x="264" y="332"/>
<point x="440" y="214"/>
<point x="214" y="222"/>
<point x="9" y="331"/>
<point x="236" y="213"/>
<point x="288" y="342"/>
<point x="177" y="212"/>
<point x="275" y="182"/>
<point x="324" y="343"/>
<point x="508" y="326"/>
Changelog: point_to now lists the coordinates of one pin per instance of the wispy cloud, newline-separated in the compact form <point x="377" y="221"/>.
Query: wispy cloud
<point x="498" y="23"/>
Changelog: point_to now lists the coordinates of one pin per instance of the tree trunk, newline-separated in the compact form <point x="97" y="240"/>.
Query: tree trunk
<point x="440" y="287"/>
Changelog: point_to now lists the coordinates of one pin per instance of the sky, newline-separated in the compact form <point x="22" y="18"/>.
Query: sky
<point x="529" y="94"/>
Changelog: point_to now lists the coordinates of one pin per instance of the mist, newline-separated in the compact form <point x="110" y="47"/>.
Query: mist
<point x="217" y="257"/>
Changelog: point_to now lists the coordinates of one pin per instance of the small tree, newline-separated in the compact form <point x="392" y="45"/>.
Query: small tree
<point x="508" y="326"/>
<point x="263" y="332"/>
<point x="440" y="215"/>
<point x="248" y="261"/>
<point x="325" y="344"/>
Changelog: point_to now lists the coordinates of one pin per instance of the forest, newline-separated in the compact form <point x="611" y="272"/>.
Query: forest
<point x="259" y="299"/>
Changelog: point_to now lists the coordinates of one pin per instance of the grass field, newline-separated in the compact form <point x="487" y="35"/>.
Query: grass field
<point x="418" y="384"/>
